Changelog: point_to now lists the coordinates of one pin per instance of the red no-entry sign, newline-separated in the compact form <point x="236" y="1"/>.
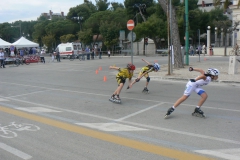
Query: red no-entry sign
<point x="130" y="24"/>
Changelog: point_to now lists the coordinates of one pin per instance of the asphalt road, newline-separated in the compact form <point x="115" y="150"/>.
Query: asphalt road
<point x="61" y="111"/>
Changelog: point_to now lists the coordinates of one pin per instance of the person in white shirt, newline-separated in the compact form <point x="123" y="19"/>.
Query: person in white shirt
<point x="41" y="56"/>
<point x="2" y="58"/>
<point x="195" y="85"/>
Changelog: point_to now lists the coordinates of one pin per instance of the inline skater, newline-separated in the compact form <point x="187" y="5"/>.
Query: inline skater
<point x="144" y="72"/>
<point x="121" y="77"/>
<point x="195" y="85"/>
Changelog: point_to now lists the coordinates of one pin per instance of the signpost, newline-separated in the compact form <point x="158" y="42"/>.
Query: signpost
<point x="130" y="26"/>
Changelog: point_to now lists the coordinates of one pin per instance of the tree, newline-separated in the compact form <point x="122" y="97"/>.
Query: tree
<point x="102" y="5"/>
<point x="68" y="38"/>
<point x="226" y="28"/>
<point x="48" y="40"/>
<point x="178" y="63"/>
<point x="155" y="24"/>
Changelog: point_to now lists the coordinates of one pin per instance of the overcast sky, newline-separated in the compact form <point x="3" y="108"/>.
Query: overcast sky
<point x="27" y="10"/>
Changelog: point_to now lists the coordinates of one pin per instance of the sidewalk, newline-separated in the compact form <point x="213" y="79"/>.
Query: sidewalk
<point x="184" y="74"/>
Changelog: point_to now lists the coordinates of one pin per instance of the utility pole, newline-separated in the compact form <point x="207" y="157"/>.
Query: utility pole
<point x="186" y="33"/>
<point x="169" y="54"/>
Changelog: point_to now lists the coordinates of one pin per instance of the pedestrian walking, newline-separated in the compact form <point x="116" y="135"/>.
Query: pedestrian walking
<point x="121" y="77"/>
<point x="53" y="56"/>
<point x="144" y="72"/>
<point x="196" y="85"/>
<point x="2" y="58"/>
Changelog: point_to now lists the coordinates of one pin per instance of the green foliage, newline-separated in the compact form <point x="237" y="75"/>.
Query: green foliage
<point x="67" y="38"/>
<point x="116" y="5"/>
<point x="48" y="40"/>
<point x="86" y="36"/>
<point x="110" y="33"/>
<point x="102" y="5"/>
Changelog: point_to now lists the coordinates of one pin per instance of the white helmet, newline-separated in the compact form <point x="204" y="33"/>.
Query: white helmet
<point x="213" y="71"/>
<point x="156" y="66"/>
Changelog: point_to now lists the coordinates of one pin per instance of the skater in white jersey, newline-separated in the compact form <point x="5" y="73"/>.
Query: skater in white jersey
<point x="195" y="85"/>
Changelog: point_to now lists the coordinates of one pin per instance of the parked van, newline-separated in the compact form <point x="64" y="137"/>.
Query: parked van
<point x="67" y="49"/>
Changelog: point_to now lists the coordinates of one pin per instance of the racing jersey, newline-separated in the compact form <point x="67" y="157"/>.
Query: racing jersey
<point x="124" y="73"/>
<point x="202" y="82"/>
<point x="148" y="68"/>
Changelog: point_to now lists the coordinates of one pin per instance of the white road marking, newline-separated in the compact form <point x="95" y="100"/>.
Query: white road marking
<point x="138" y="112"/>
<point x="111" y="127"/>
<point x="126" y="122"/>
<point x="28" y="93"/>
<point x="229" y="154"/>
<point x="54" y="89"/>
<point x="15" y="151"/>
<point x="137" y="124"/>
<point x="36" y="109"/>
<point x="1" y="99"/>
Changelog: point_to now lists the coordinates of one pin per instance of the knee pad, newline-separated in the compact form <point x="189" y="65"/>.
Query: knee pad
<point x="148" y="79"/>
<point x="137" y="80"/>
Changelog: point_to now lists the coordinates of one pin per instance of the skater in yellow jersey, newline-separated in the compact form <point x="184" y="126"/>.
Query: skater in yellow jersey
<point x="121" y="77"/>
<point x="144" y="73"/>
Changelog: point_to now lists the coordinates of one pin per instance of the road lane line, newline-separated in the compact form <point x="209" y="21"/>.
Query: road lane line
<point x="54" y="89"/>
<point x="136" y="124"/>
<point x="146" y="147"/>
<point x="29" y="93"/>
<point x="15" y="151"/>
<point x="138" y="112"/>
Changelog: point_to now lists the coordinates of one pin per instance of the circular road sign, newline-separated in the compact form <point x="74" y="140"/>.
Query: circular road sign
<point x="130" y="24"/>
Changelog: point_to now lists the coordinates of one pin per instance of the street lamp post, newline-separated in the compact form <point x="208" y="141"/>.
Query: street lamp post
<point x="208" y="39"/>
<point x="19" y="28"/>
<point x="79" y="20"/>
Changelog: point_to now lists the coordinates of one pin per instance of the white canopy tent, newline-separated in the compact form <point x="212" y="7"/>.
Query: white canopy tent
<point x="4" y="44"/>
<point x="23" y="42"/>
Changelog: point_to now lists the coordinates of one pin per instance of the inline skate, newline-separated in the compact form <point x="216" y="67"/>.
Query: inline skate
<point x="145" y="90"/>
<point x="170" y="110"/>
<point x="117" y="100"/>
<point x="198" y="113"/>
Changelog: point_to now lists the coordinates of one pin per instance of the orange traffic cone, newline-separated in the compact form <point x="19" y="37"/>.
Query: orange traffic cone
<point x="205" y="59"/>
<point x="96" y="71"/>
<point x="104" y="78"/>
<point x="100" y="68"/>
<point x="155" y="61"/>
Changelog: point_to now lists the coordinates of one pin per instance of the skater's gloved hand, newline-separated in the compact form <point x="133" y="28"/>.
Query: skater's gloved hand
<point x="192" y="80"/>
<point x="190" y="69"/>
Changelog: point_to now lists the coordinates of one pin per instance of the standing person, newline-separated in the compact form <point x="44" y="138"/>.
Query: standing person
<point x="236" y="49"/>
<point x="58" y="56"/>
<point x="2" y="58"/>
<point x="204" y="49"/>
<point x="42" y="56"/>
<point x="121" y="77"/>
<point x="109" y="53"/>
<point x="144" y="72"/>
<point x="195" y="85"/>
<point x="100" y="53"/>
<point x="191" y="50"/>
<point x="21" y="52"/>
<point x="53" y="56"/>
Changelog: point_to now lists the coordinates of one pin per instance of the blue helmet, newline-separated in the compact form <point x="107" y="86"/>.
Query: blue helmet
<point x="156" y="66"/>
